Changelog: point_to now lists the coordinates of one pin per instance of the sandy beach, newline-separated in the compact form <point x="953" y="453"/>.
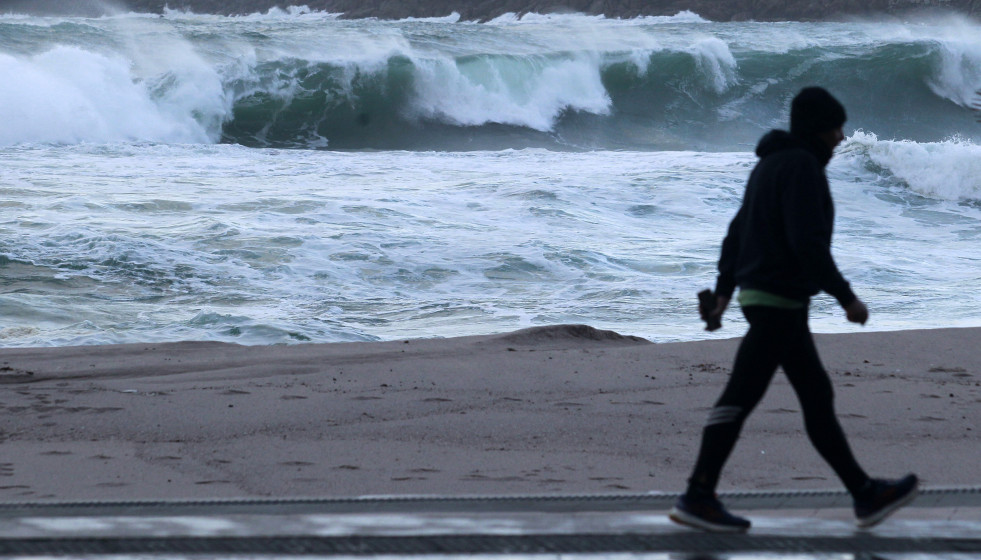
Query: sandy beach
<point x="562" y="409"/>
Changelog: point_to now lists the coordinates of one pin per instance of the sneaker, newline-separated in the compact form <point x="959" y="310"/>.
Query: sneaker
<point x="707" y="514"/>
<point x="884" y="497"/>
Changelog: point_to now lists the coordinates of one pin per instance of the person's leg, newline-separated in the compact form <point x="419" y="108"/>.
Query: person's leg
<point x="816" y="394"/>
<point x="755" y="363"/>
<point x="875" y="499"/>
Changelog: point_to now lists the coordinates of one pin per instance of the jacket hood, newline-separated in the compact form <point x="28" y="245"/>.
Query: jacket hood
<point x="779" y="140"/>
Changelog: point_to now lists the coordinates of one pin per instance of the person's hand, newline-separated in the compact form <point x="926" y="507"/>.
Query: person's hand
<point x="721" y="303"/>
<point x="856" y="312"/>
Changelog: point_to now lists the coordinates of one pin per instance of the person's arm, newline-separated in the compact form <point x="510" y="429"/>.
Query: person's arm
<point x="807" y="204"/>
<point x="725" y="284"/>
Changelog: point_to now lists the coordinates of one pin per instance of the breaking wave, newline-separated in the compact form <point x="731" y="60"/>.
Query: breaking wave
<point x="305" y="80"/>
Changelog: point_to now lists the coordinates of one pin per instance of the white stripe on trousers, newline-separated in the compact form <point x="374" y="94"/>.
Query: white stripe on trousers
<point x="723" y="415"/>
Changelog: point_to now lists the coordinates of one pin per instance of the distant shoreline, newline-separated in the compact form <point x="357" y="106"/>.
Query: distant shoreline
<point x="482" y="10"/>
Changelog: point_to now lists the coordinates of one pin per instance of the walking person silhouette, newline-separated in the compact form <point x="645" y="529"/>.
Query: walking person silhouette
<point x="777" y="251"/>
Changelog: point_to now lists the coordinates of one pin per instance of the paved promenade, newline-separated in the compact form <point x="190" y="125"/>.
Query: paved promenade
<point x="942" y="522"/>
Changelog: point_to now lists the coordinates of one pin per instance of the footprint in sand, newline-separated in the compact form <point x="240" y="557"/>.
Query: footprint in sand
<point x="568" y="404"/>
<point x="12" y="375"/>
<point x="473" y="477"/>
<point x="954" y="370"/>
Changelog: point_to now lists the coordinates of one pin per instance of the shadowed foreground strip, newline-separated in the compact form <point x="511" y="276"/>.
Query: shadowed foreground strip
<point x="475" y="525"/>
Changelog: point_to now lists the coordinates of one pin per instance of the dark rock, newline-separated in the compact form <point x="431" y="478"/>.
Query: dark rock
<point x="482" y="10"/>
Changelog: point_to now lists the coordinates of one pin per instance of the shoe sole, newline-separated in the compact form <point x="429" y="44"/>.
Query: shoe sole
<point x="881" y="515"/>
<point x="682" y="518"/>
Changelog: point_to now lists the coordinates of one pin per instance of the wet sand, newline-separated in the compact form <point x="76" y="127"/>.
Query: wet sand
<point x="554" y="410"/>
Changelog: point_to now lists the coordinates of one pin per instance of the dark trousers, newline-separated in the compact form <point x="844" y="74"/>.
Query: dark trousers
<point x="776" y="337"/>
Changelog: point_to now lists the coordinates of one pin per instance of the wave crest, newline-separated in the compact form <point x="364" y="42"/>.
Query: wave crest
<point x="949" y="170"/>
<point x="301" y="79"/>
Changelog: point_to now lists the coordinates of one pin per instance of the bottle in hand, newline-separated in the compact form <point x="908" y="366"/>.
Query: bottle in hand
<point x="707" y="303"/>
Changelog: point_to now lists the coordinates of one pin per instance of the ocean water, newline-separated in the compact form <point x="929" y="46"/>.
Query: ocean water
<point x="294" y="177"/>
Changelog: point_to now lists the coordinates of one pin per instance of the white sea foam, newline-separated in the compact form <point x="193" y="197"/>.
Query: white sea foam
<point x="713" y="58"/>
<point x="70" y="95"/>
<point x="684" y="16"/>
<point x="958" y="77"/>
<point x="291" y="13"/>
<point x="949" y="170"/>
<point x="150" y="85"/>
<point x="261" y="246"/>
<point x="530" y="93"/>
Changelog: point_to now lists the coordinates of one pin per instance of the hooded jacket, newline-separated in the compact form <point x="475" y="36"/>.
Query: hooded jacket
<point x="780" y="240"/>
